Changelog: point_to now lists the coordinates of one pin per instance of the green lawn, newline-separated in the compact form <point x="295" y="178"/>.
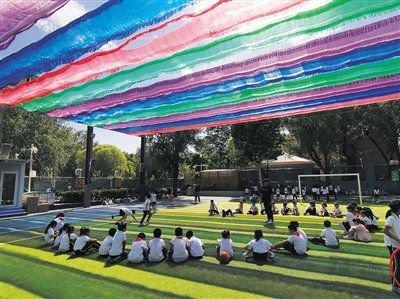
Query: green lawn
<point x="30" y="270"/>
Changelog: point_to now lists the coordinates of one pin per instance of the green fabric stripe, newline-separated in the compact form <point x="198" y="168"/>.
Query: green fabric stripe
<point x="310" y="22"/>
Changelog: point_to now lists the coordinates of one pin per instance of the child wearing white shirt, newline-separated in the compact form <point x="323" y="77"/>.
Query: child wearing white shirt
<point x="295" y="244"/>
<point x="258" y="248"/>
<point x="328" y="237"/>
<point x="350" y="216"/>
<point x="105" y="245"/>
<point x="157" y="249"/>
<point x="84" y="243"/>
<point x="60" y="221"/>
<point x="225" y="244"/>
<point x="146" y="210"/>
<point x="139" y="248"/>
<point x="178" y="244"/>
<point x="50" y="233"/>
<point x="213" y="210"/>
<point x="61" y="233"/>
<point x="117" y="251"/>
<point x="194" y="246"/>
<point x="67" y="241"/>
<point x="124" y="212"/>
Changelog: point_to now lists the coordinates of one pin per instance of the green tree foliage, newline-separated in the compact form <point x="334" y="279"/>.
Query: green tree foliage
<point x="169" y="151"/>
<point x="259" y="141"/>
<point x="56" y="143"/>
<point x="108" y="159"/>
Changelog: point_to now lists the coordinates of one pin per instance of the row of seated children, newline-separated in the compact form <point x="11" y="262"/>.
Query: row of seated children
<point x="323" y="211"/>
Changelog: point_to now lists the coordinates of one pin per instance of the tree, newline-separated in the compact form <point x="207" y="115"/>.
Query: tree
<point x="170" y="151"/>
<point x="213" y="147"/>
<point x="258" y="141"/>
<point x="56" y="143"/>
<point x="108" y="159"/>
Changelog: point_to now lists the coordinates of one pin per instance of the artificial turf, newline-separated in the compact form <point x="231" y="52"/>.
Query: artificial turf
<point x="30" y="270"/>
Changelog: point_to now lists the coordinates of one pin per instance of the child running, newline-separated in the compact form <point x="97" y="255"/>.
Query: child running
<point x="84" y="243"/>
<point x="146" y="210"/>
<point x="68" y="240"/>
<point x="258" y="248"/>
<point x="195" y="246"/>
<point x="213" y="210"/>
<point x="117" y="251"/>
<point x="295" y="244"/>
<point x="50" y="233"/>
<point x="105" y="245"/>
<point x="139" y="249"/>
<point x="157" y="249"/>
<point x="328" y="237"/>
<point x="225" y="246"/>
<point x="178" y="244"/>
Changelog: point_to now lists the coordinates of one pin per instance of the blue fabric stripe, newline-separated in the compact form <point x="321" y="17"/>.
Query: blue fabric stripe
<point x="358" y="56"/>
<point x="320" y="102"/>
<point x="114" y="20"/>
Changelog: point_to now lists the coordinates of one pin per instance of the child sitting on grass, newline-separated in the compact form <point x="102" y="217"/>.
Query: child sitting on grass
<point x="225" y="246"/>
<point x="295" y="209"/>
<point x="139" y="248"/>
<point x="369" y="220"/>
<point x="295" y="244"/>
<point x="178" y="244"/>
<point x="253" y="209"/>
<point x="350" y="216"/>
<point x="105" y="245"/>
<point x="337" y="213"/>
<point x="194" y="246"/>
<point x="84" y="243"/>
<point x="323" y="212"/>
<point x="275" y="209"/>
<point x="60" y="234"/>
<point x="258" y="248"/>
<point x="50" y="233"/>
<point x="328" y="237"/>
<point x="285" y="209"/>
<point x="213" y="210"/>
<point x="157" y="249"/>
<point x="225" y="213"/>
<point x="311" y="210"/>
<point x="239" y="210"/>
<point x="117" y="251"/>
<point x="358" y="232"/>
<point x="68" y="240"/>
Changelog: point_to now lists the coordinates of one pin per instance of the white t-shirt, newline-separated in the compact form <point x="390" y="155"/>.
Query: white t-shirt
<point x="393" y="221"/>
<point x="153" y="198"/>
<point x="195" y="247"/>
<point x="58" y="239"/>
<point x="367" y="221"/>
<point x="180" y="252"/>
<point x="260" y="246"/>
<point x="225" y="245"/>
<point x="136" y="253"/>
<point x="350" y="217"/>
<point x="294" y="191"/>
<point x="126" y="211"/>
<point x="330" y="237"/>
<point x="105" y="245"/>
<point x="374" y="221"/>
<point x="299" y="243"/>
<point x="81" y="242"/>
<point x="146" y="204"/>
<point x="116" y="247"/>
<point x="64" y="242"/>
<point x="60" y="223"/>
<point x="156" y="246"/>
<point x="48" y="237"/>
<point x="303" y="233"/>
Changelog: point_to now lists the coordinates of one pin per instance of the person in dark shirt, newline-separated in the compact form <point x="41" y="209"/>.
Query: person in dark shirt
<point x="266" y="198"/>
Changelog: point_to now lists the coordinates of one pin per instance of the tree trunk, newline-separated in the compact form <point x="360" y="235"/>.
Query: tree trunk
<point x="380" y="149"/>
<point x="175" y="173"/>
<point x="260" y="174"/>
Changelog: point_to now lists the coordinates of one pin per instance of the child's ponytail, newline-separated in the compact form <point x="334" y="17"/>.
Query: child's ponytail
<point x="51" y="224"/>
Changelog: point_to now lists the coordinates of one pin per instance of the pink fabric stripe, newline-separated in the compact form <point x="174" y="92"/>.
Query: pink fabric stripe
<point x="221" y="18"/>
<point x="338" y="43"/>
<point x="298" y="97"/>
<point x="355" y="103"/>
<point x="17" y="16"/>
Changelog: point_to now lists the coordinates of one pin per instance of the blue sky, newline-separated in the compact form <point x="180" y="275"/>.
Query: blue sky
<point x="72" y="10"/>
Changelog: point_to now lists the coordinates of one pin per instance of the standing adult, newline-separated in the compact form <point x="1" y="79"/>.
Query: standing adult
<point x="266" y="198"/>
<point x="392" y="240"/>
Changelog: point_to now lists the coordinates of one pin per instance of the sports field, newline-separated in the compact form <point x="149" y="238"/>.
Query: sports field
<point x="30" y="270"/>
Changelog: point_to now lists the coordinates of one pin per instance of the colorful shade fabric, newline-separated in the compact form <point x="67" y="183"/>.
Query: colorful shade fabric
<point x="18" y="15"/>
<point x="211" y="63"/>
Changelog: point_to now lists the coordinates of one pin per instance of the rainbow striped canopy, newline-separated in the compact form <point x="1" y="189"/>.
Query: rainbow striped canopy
<point x="149" y="67"/>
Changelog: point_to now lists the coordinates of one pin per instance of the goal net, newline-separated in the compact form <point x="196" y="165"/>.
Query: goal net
<point x="357" y="175"/>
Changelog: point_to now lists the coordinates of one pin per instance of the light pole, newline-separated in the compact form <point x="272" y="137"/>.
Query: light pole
<point x="33" y="150"/>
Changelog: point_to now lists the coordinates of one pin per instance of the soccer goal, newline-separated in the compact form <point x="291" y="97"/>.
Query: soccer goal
<point x="357" y="175"/>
